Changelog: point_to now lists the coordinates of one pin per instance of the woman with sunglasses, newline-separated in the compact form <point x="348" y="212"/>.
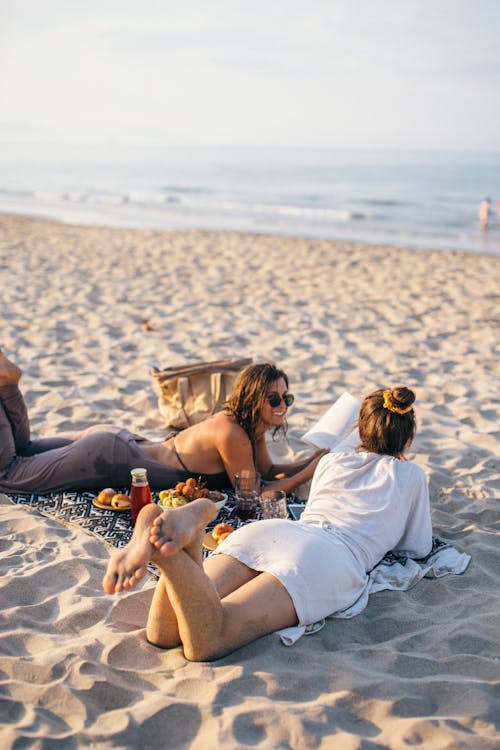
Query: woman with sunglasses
<point x="103" y="455"/>
<point x="277" y="573"/>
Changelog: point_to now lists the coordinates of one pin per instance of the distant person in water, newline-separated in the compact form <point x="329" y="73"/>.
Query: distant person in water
<point x="103" y="455"/>
<point x="484" y="213"/>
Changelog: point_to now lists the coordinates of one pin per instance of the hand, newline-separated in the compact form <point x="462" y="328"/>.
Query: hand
<point x="314" y="459"/>
<point x="319" y="453"/>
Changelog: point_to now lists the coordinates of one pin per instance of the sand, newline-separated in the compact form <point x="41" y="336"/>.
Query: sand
<point x="415" y="669"/>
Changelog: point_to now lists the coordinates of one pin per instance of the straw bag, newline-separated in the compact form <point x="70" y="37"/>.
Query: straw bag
<point x="190" y="393"/>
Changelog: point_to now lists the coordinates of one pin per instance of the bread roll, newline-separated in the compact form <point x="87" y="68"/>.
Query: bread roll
<point x="120" y="501"/>
<point x="105" y="496"/>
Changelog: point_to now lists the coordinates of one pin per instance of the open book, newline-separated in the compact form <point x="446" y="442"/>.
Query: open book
<point x="337" y="429"/>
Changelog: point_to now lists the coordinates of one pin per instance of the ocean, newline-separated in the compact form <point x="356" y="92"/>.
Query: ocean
<point x="415" y="199"/>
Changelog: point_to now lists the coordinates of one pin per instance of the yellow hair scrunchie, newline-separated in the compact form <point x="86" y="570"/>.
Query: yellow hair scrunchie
<point x="389" y="405"/>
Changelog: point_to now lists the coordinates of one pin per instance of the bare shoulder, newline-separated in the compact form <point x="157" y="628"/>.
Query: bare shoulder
<point x="222" y="433"/>
<point x="217" y="431"/>
<point x="225" y="427"/>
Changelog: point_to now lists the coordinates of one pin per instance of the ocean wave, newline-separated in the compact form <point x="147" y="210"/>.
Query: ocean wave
<point x="368" y="218"/>
<point x="14" y="193"/>
<point x="194" y="190"/>
<point x="103" y="199"/>
<point x="258" y="209"/>
<point x="386" y="202"/>
<point x="45" y="195"/>
<point x="149" y="198"/>
<point x="191" y="200"/>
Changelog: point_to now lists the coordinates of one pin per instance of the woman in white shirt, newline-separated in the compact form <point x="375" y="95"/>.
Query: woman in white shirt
<point x="277" y="573"/>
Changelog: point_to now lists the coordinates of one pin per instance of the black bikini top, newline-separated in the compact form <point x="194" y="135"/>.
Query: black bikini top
<point x="219" y="480"/>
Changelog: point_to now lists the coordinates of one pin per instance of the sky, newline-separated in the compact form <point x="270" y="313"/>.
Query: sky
<point x="371" y="74"/>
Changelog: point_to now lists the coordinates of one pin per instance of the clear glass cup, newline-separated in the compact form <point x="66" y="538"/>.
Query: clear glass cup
<point x="273" y="504"/>
<point x="246" y="491"/>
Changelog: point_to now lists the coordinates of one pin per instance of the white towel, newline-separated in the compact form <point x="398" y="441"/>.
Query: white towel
<point x="396" y="573"/>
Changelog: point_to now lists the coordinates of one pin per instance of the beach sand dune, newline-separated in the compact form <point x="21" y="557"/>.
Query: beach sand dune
<point x="86" y="312"/>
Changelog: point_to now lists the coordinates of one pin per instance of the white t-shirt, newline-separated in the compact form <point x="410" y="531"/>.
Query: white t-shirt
<point x="373" y="503"/>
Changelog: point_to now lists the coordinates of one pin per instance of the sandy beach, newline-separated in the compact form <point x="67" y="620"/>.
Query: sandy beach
<point x="86" y="312"/>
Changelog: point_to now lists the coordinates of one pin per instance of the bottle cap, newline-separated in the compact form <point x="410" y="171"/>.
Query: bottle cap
<point x="138" y="472"/>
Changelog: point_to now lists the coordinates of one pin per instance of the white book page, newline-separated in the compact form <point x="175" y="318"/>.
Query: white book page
<point x="338" y="426"/>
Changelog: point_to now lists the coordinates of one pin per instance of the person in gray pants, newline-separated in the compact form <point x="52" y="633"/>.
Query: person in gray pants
<point x="100" y="456"/>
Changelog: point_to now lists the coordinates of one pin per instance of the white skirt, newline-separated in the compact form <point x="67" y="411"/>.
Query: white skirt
<point x="318" y="570"/>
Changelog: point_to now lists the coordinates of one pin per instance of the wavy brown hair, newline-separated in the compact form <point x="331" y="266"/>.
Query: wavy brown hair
<point x="383" y="430"/>
<point x="249" y="396"/>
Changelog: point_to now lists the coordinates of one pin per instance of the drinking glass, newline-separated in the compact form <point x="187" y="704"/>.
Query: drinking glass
<point x="273" y="504"/>
<point x="246" y="490"/>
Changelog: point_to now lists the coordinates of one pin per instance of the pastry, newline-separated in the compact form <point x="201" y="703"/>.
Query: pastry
<point x="224" y="536"/>
<point x="120" y="501"/>
<point x="222" y="530"/>
<point x="104" y="497"/>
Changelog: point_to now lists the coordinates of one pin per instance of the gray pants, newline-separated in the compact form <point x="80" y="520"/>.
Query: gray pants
<point x="97" y="459"/>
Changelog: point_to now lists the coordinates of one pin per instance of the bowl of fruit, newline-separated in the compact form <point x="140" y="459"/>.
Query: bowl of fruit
<point x="185" y="492"/>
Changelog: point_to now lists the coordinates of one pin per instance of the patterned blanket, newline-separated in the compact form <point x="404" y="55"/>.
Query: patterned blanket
<point x="114" y="527"/>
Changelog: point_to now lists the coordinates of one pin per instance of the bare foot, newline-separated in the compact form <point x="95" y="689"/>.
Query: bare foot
<point x="168" y="532"/>
<point x="177" y="528"/>
<point x="127" y="566"/>
<point x="10" y="374"/>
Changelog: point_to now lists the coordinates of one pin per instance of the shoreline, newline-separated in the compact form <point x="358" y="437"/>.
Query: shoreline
<point x="397" y="197"/>
<point x="481" y="242"/>
<point x="415" y="667"/>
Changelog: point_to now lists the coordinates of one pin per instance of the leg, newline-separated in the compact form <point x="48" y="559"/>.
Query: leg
<point x="226" y="573"/>
<point x="7" y="442"/>
<point x="43" y="444"/>
<point x="96" y="461"/>
<point x="162" y="629"/>
<point x="15" y="429"/>
<point x="128" y="565"/>
<point x="221" y="606"/>
<point x="14" y="422"/>
<point x="79" y="434"/>
<point x="10" y="374"/>
<point x="65" y="438"/>
<point x="208" y="626"/>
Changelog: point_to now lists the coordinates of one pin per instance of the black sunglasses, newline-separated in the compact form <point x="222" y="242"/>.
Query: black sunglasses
<point x="275" y="399"/>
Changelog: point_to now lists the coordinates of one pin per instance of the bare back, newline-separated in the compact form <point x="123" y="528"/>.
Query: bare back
<point x="214" y="445"/>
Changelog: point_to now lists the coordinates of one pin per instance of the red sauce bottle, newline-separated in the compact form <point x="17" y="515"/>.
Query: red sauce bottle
<point x="140" y="493"/>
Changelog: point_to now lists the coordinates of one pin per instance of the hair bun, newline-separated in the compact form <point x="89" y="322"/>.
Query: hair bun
<point x="402" y="397"/>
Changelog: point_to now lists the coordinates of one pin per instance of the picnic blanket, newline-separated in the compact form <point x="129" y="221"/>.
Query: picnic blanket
<point x="112" y="526"/>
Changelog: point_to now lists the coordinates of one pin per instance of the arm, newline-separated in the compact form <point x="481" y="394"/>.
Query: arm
<point x="295" y="474"/>
<point x="235" y="451"/>
<point x="234" y="448"/>
<point x="293" y="468"/>
<point x="417" y="537"/>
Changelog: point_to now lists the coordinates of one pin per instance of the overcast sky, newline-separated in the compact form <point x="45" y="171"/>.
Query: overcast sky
<point x="330" y="73"/>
